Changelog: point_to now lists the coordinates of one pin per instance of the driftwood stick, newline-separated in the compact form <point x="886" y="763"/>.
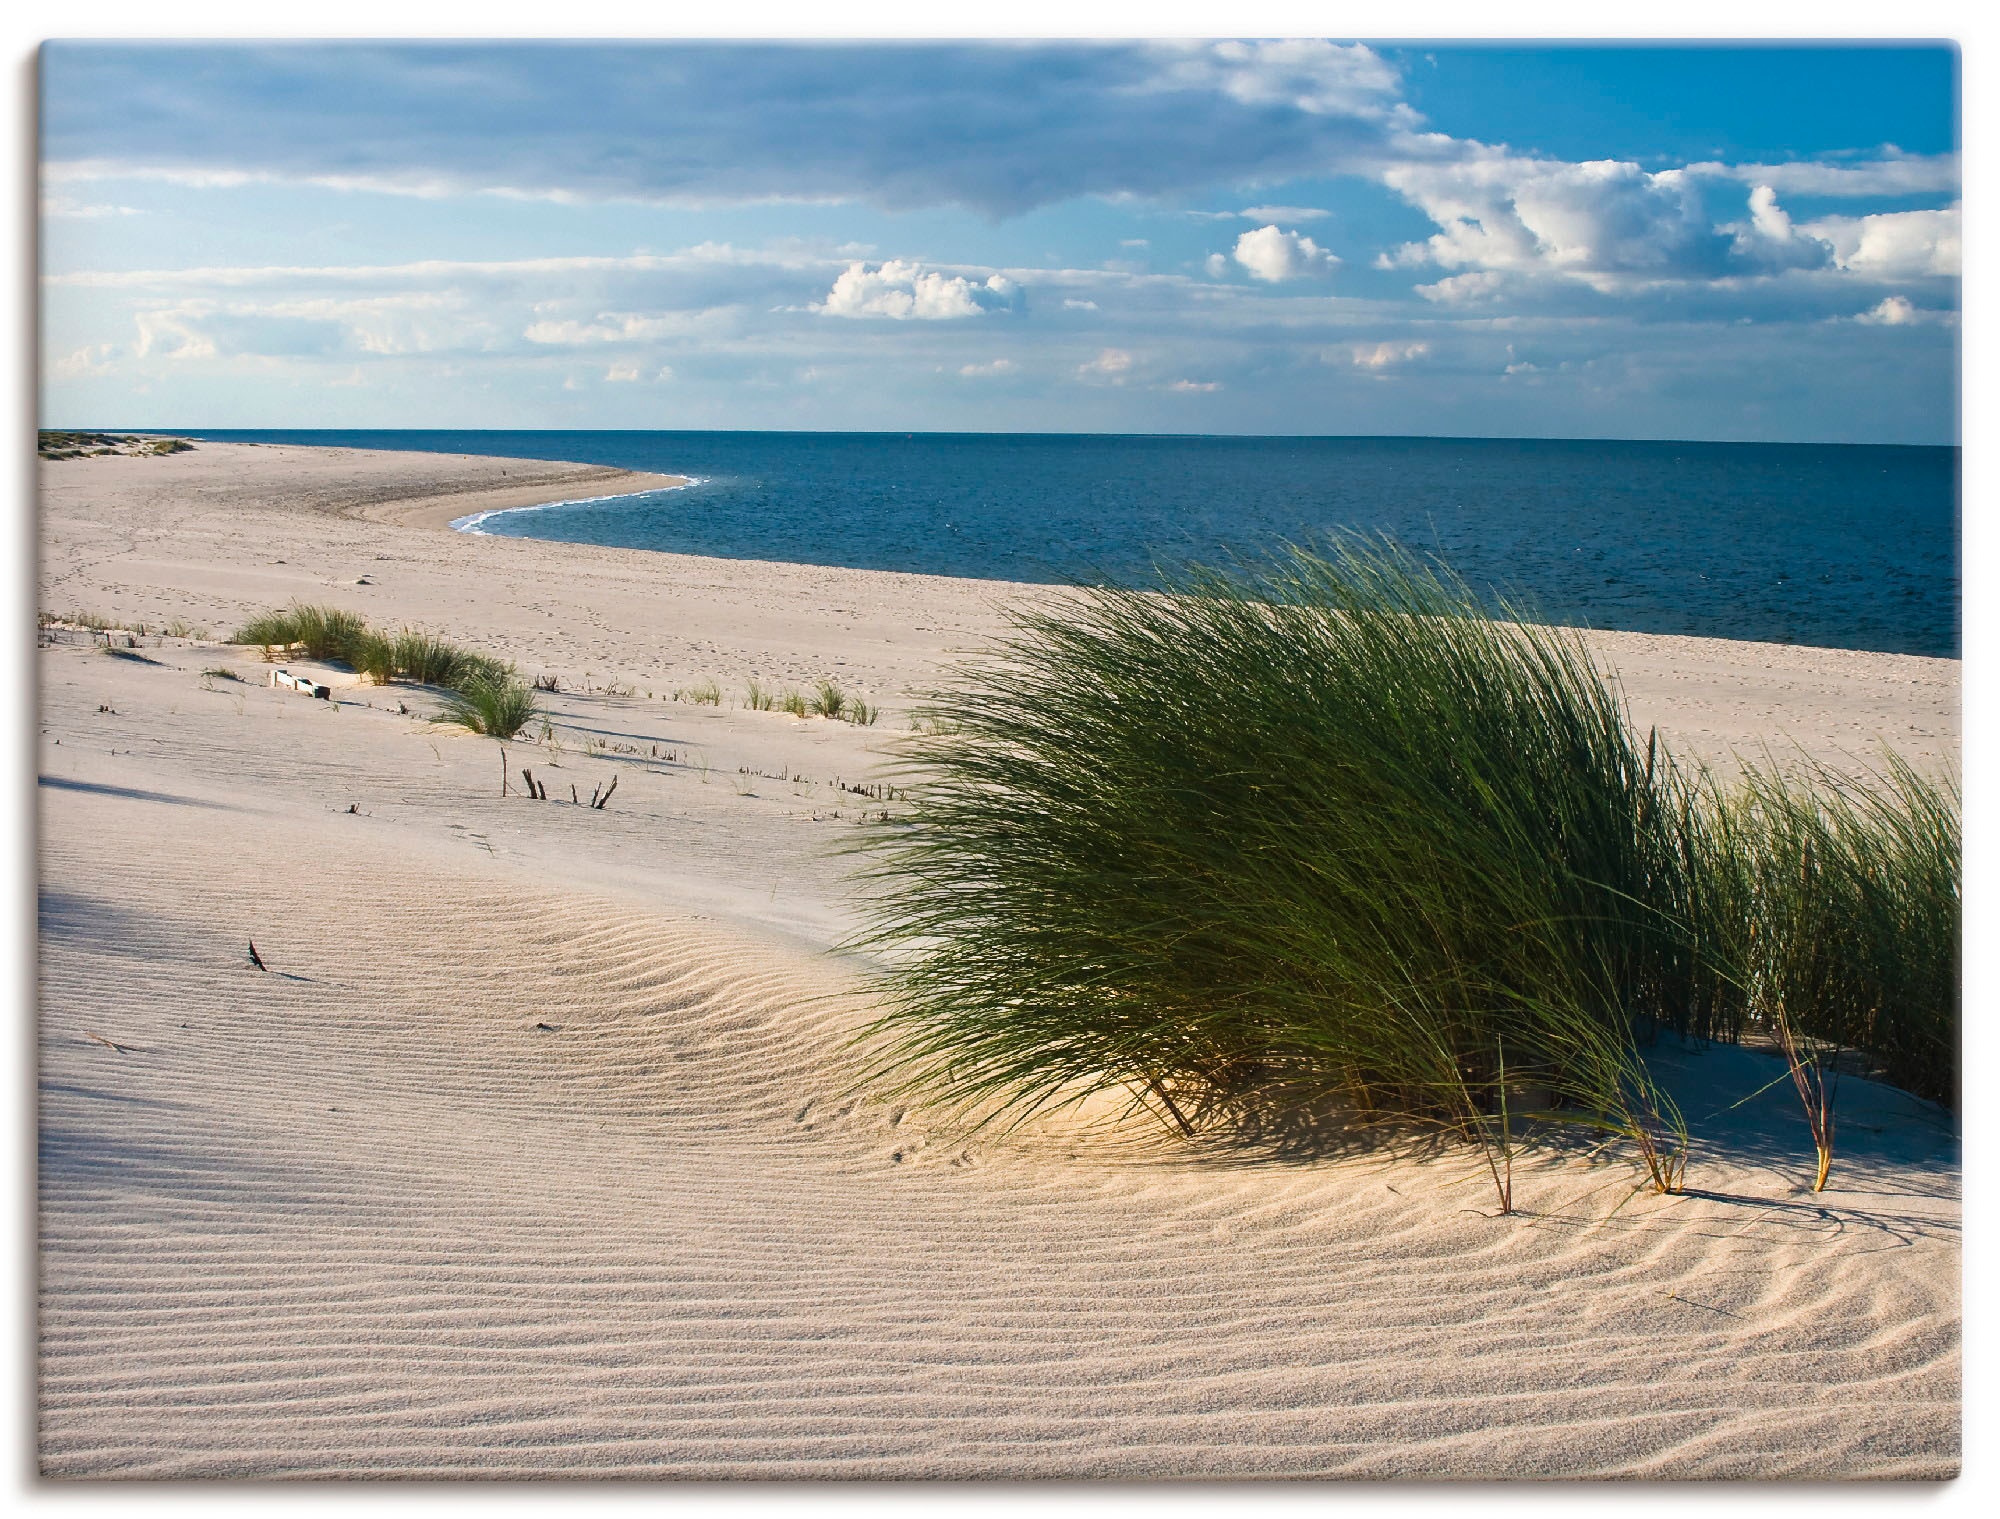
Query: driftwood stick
<point x="599" y="804"/>
<point x="529" y="776"/>
<point x="593" y="792"/>
<point x="572" y="791"/>
<point x="503" y="769"/>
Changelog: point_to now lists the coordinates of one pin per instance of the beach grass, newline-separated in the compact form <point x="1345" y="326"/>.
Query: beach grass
<point x="373" y="655"/>
<point x="428" y="659"/>
<point x="1847" y="893"/>
<point x="498" y="708"/>
<point x="1328" y="843"/>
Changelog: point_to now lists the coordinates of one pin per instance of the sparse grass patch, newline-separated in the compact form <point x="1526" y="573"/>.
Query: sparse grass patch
<point x="220" y="672"/>
<point x="794" y="702"/>
<point x="707" y="694"/>
<point x="90" y="620"/>
<point x="759" y="698"/>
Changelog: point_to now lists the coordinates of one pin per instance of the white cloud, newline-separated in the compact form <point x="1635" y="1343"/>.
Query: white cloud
<point x="1313" y="77"/>
<point x="1110" y="366"/>
<point x="1900" y="311"/>
<point x="705" y="123"/>
<point x="997" y="367"/>
<point x="1217" y="266"/>
<point x="1196" y="385"/>
<point x="1283" y="214"/>
<point x="1500" y="211"/>
<point x="1379" y="356"/>
<point x="1464" y="289"/>
<point x="1892" y="174"/>
<point x="1272" y="255"/>
<point x="65" y="208"/>
<point x="901" y="290"/>
<point x="1073" y="304"/>
<point x="1895" y="245"/>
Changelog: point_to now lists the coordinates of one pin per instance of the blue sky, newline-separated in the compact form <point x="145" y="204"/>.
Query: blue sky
<point x="1262" y="237"/>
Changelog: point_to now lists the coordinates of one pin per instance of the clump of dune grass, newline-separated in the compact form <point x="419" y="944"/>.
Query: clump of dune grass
<point x="861" y="714"/>
<point x="269" y="630"/>
<point x="499" y="708"/>
<point x="1321" y="839"/>
<point x="758" y="697"/>
<point x="1841" y="927"/>
<point x="828" y="700"/>
<point x="327" y="633"/>
<point x="373" y="655"/>
<point x="427" y="659"/>
<point x="796" y="703"/>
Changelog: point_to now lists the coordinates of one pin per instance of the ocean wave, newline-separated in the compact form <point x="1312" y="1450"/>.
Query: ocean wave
<point x="474" y="522"/>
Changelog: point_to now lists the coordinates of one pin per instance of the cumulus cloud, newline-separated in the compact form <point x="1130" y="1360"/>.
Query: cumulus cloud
<point x="1505" y="212"/>
<point x="1464" y="289"/>
<point x="996" y="367"/>
<point x="1901" y="311"/>
<point x="1203" y="386"/>
<point x="701" y="122"/>
<point x="901" y="290"/>
<point x="1896" y="245"/>
<point x="1071" y="303"/>
<point x="1273" y="255"/>
<point x="1620" y="228"/>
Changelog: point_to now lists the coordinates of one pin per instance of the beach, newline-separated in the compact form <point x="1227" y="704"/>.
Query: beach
<point x="543" y="1145"/>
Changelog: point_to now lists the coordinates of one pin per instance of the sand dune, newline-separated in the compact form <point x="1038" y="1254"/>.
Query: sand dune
<point x="543" y="1146"/>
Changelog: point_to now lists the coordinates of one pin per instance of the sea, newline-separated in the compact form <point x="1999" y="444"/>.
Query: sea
<point x="1839" y="545"/>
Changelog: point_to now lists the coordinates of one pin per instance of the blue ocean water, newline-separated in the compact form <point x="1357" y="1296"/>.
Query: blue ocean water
<point x="1848" y="546"/>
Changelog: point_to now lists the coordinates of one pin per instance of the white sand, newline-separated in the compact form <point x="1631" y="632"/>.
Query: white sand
<point x="363" y="1214"/>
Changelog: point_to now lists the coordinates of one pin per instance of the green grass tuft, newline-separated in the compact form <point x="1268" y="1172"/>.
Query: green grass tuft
<point x="499" y="708"/>
<point x="828" y="700"/>
<point x="1328" y="845"/>
<point x="1325" y="840"/>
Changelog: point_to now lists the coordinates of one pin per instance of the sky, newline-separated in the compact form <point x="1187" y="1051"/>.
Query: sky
<point x="1293" y="237"/>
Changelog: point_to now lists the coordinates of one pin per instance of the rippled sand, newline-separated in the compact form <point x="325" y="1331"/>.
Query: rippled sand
<point x="542" y="1146"/>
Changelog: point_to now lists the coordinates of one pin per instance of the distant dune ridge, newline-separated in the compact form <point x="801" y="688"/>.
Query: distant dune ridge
<point x="541" y="1145"/>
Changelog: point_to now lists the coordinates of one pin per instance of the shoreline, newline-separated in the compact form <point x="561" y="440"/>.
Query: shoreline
<point x="887" y="631"/>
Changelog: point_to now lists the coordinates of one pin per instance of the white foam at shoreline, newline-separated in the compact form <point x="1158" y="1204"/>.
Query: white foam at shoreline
<point x="472" y="523"/>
